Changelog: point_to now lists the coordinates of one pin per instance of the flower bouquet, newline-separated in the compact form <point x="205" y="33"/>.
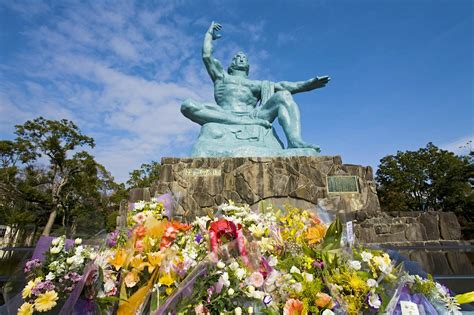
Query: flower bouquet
<point x="271" y="261"/>
<point x="51" y="281"/>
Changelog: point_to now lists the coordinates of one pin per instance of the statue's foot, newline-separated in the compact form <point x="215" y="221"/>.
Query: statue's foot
<point x="303" y="145"/>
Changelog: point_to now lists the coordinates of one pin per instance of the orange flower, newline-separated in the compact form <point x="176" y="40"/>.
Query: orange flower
<point x="171" y="230"/>
<point x="140" y="231"/>
<point x="324" y="300"/>
<point x="315" y="234"/>
<point x="314" y="218"/>
<point x="293" y="307"/>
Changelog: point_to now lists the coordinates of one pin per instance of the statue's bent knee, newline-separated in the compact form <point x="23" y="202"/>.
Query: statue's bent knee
<point x="284" y="96"/>
<point x="188" y="107"/>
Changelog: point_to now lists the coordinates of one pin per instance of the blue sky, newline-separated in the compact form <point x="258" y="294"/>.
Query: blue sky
<point x="402" y="71"/>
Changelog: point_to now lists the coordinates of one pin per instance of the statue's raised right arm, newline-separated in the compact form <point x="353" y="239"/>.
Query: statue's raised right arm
<point x="213" y="66"/>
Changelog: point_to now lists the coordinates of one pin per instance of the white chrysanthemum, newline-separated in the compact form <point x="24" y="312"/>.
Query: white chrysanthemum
<point x="355" y="264"/>
<point x="240" y="273"/>
<point x="272" y="261"/>
<point x="234" y="265"/>
<point x="294" y="269"/>
<point x="307" y="277"/>
<point x="372" y="283"/>
<point x="50" y="276"/>
<point x="366" y="256"/>
<point x="140" y="205"/>
<point x="55" y="250"/>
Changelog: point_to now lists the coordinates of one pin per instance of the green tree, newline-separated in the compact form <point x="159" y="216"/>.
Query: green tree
<point x="427" y="179"/>
<point x="44" y="176"/>
<point x="23" y="191"/>
<point x="56" y="141"/>
<point x="145" y="176"/>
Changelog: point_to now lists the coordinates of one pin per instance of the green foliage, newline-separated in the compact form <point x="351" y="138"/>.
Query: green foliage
<point x="67" y="184"/>
<point x="145" y="176"/>
<point x="427" y="179"/>
<point x="332" y="239"/>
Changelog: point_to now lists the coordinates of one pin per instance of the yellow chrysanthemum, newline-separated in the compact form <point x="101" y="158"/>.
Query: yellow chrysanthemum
<point x="46" y="301"/>
<point x="29" y="286"/>
<point x="26" y="309"/>
<point x="357" y="284"/>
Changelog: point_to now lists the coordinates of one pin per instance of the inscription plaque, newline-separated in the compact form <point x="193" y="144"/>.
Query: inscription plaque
<point x="342" y="184"/>
<point x="196" y="172"/>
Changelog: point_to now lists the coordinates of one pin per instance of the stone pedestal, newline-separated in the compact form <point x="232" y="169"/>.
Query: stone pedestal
<point x="201" y="184"/>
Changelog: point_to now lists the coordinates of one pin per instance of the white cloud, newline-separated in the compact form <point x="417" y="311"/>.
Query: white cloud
<point x="120" y="72"/>
<point x="460" y="146"/>
<point x="285" y="39"/>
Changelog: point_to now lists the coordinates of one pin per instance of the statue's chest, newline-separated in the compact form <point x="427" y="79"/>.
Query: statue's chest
<point x="232" y="85"/>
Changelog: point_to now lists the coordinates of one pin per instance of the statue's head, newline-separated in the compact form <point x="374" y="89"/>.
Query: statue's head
<point x="239" y="62"/>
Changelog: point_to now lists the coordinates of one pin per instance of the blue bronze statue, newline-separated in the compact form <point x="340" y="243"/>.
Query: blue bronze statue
<point x="240" y="123"/>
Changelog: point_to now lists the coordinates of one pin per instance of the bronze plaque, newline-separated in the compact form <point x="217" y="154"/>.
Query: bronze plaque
<point x="343" y="184"/>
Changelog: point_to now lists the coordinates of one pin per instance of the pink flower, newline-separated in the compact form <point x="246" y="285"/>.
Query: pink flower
<point x="256" y="279"/>
<point x="111" y="292"/>
<point x="139" y="218"/>
<point x="139" y="245"/>
<point x="200" y="309"/>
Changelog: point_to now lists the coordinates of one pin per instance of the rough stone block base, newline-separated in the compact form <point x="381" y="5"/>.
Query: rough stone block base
<point x="203" y="183"/>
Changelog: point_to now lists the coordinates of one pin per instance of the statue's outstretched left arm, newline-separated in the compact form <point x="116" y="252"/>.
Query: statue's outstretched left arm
<point x="302" y="86"/>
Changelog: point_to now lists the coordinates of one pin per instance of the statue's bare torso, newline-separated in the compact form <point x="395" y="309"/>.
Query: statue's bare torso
<point x="236" y="94"/>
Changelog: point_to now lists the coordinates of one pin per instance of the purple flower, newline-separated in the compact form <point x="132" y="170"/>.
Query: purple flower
<point x="210" y="291"/>
<point x="112" y="238"/>
<point x="374" y="300"/>
<point x="267" y="300"/>
<point x="319" y="264"/>
<point x="198" y="238"/>
<point x="74" y="276"/>
<point x="31" y="264"/>
<point x="42" y="286"/>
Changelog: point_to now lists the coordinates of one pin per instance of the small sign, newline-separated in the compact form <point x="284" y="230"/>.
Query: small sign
<point x="350" y="233"/>
<point x="342" y="184"/>
<point x="409" y="308"/>
<point x="196" y="172"/>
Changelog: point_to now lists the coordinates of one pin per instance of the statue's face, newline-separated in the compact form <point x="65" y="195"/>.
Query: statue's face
<point x="240" y="62"/>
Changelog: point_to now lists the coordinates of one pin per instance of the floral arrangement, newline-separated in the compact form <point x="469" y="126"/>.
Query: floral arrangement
<point x="235" y="261"/>
<point x="51" y="281"/>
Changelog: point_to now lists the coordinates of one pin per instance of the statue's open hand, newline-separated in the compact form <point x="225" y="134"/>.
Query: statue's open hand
<point x="213" y="29"/>
<point x="255" y="121"/>
<point x="263" y="122"/>
<point x="319" y="82"/>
